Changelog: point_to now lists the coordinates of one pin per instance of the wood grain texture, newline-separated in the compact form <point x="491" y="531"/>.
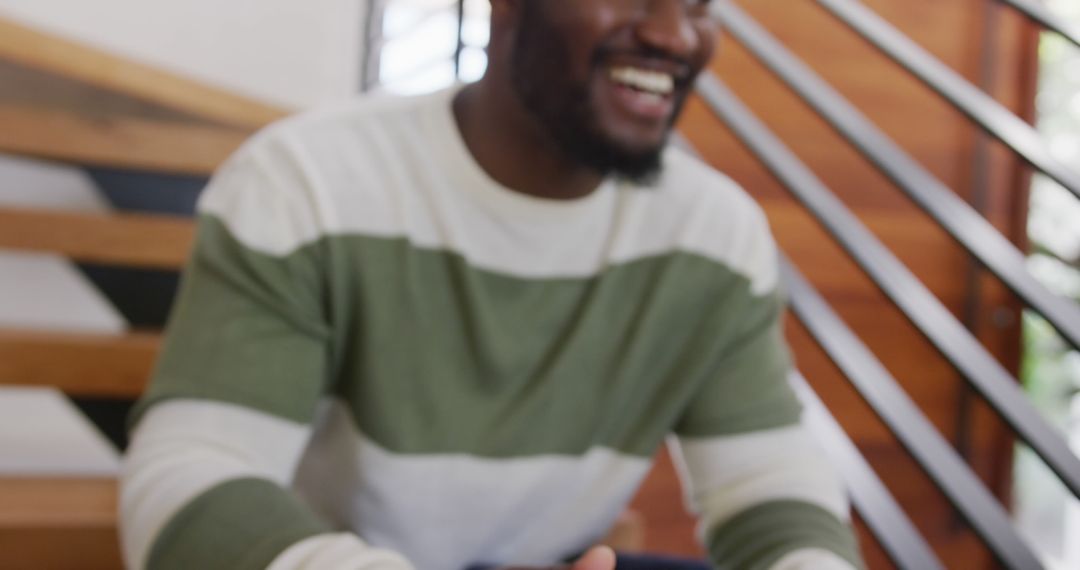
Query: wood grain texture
<point x="116" y="141"/>
<point x="58" y="524"/>
<point x="669" y="528"/>
<point x="29" y="47"/>
<point x="57" y="501"/>
<point x="21" y="85"/>
<point x="946" y="143"/>
<point x="78" y="364"/>
<point x="131" y="240"/>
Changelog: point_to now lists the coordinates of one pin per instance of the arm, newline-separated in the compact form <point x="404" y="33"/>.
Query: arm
<point x="768" y="500"/>
<point x="765" y="495"/>
<point x="222" y="427"/>
<point x="204" y="486"/>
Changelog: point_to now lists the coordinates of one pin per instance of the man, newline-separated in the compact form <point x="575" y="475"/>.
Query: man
<point x="450" y="331"/>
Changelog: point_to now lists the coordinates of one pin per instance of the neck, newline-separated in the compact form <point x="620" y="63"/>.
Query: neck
<point x="513" y="148"/>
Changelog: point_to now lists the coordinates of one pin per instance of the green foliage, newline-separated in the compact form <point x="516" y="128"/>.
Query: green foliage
<point x="1051" y="370"/>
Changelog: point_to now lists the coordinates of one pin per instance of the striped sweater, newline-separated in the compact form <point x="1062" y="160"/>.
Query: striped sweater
<point x="382" y="359"/>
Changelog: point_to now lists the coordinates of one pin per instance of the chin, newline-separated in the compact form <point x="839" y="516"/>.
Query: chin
<point x="639" y="168"/>
<point x="643" y="147"/>
<point x="634" y="138"/>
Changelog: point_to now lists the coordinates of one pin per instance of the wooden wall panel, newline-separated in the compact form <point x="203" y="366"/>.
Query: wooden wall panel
<point x="946" y="143"/>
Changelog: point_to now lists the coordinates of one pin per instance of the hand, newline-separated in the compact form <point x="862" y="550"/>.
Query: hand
<point x="597" y="558"/>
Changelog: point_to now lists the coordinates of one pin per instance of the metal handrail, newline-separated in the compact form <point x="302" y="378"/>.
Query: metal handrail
<point x="970" y="229"/>
<point x="878" y="387"/>
<point x="1038" y="13"/>
<point x="919" y="305"/>
<point x="460" y="47"/>
<point x="968" y="99"/>
<point x="877" y="507"/>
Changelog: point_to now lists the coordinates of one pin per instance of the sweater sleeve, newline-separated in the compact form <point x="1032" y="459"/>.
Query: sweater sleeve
<point x="205" y="486"/>
<point x="765" y="496"/>
<point x="768" y="500"/>
<point x="245" y="362"/>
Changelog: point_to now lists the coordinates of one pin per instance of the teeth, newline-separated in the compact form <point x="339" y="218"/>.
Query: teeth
<point x="644" y="79"/>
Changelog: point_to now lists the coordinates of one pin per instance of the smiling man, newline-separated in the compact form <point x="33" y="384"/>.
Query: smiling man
<point x="450" y="331"/>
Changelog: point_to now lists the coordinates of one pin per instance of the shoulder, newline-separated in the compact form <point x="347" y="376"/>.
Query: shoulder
<point x="310" y="137"/>
<point x="338" y="129"/>
<point x="704" y="212"/>
<point x="303" y="171"/>
<point x="693" y="186"/>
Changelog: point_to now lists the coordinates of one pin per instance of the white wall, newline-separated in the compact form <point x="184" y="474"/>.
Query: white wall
<point x="291" y="52"/>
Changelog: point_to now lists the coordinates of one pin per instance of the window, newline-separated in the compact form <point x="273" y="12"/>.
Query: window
<point x="420" y="50"/>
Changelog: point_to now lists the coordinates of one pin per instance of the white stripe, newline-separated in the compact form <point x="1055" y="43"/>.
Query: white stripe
<point x="337" y="551"/>
<point x="726" y="475"/>
<point x="183" y="448"/>
<point x="707" y="214"/>
<point x="446" y="512"/>
<point x="262" y="194"/>
<point x="811" y="559"/>
<point x="403" y="172"/>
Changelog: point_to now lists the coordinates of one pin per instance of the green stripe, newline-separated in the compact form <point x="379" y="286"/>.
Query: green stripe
<point x="239" y="524"/>
<point x="759" y="537"/>
<point x="436" y="356"/>
<point x="246" y="328"/>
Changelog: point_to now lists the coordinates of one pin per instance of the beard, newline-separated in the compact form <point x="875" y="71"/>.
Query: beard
<point x="560" y="104"/>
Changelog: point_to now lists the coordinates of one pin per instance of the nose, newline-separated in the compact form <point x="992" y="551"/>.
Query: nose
<point x="668" y="27"/>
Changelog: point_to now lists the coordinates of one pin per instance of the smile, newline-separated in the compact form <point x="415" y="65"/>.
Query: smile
<point x="643" y="95"/>
<point x="649" y="81"/>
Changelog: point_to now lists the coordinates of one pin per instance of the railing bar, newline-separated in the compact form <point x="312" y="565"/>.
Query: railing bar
<point x="460" y="47"/>
<point x="958" y="218"/>
<point x="371" y="47"/>
<point x="1039" y="14"/>
<point x="877" y="386"/>
<point x="918" y="304"/>
<point x="979" y="106"/>
<point x="887" y="521"/>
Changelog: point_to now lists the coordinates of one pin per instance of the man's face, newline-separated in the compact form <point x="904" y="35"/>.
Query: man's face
<point x="608" y="78"/>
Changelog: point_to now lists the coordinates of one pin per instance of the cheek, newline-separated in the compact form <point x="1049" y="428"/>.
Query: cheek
<point x="589" y="26"/>
<point x="708" y="36"/>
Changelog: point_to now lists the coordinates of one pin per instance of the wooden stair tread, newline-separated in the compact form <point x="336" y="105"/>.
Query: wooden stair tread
<point x="59" y="523"/>
<point x="132" y="240"/>
<point x="79" y="364"/>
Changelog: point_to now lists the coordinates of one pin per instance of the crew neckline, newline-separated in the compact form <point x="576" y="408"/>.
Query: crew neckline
<point x="474" y="180"/>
